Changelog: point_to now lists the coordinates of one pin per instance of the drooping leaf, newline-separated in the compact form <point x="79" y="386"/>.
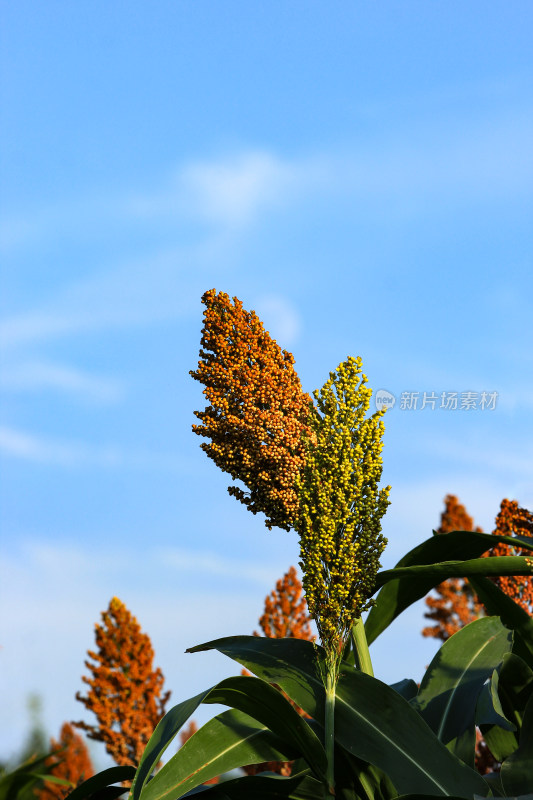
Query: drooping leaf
<point x="293" y="660"/>
<point x="261" y="787"/>
<point x="253" y="697"/>
<point x="372" y="721"/>
<point x="489" y="710"/>
<point x="229" y="740"/>
<point x="165" y="732"/>
<point x="102" y="781"/>
<point x="376" y="724"/>
<point x="512" y="615"/>
<point x="497" y="566"/>
<point x="517" y="769"/>
<point x="399" y="594"/>
<point x="406" y="687"/>
<point x="266" y="704"/>
<point x="449" y="690"/>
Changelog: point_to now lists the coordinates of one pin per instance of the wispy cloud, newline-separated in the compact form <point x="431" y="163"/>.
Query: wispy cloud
<point x="34" y="376"/>
<point x="479" y="162"/>
<point x="229" y="192"/>
<point x="235" y="191"/>
<point x="39" y="449"/>
<point x="280" y="317"/>
<point x="133" y="293"/>
<point x="205" y="564"/>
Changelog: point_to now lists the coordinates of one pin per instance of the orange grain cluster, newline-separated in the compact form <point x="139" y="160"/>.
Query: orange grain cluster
<point x="513" y="520"/>
<point x="285" y="614"/>
<point x="455" y="604"/>
<point x="258" y="411"/>
<point x="70" y="760"/>
<point x="125" y="691"/>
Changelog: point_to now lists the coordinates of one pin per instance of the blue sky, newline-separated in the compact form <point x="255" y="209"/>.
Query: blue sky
<point x="360" y="173"/>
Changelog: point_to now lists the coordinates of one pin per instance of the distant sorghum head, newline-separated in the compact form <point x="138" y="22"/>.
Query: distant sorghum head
<point x="70" y="760"/>
<point x="513" y="520"/>
<point x="285" y="614"/>
<point x="125" y="691"/>
<point x="258" y="412"/>
<point x="341" y="506"/>
<point x="455" y="604"/>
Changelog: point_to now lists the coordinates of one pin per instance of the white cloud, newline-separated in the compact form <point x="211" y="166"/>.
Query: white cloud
<point x="486" y="160"/>
<point x="229" y="192"/>
<point x="29" y="447"/>
<point x="280" y="318"/>
<point x="37" y="376"/>
<point x="39" y="449"/>
<point x="235" y="191"/>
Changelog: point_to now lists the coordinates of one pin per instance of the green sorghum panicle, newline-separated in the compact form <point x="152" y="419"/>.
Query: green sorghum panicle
<point x="341" y="506"/>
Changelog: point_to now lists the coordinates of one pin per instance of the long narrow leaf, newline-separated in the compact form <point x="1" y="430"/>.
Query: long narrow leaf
<point x="449" y="691"/>
<point x="497" y="566"/>
<point x="163" y="735"/>
<point x="267" y="705"/>
<point x="376" y="724"/>
<point x="294" y="660"/>
<point x="229" y="740"/>
<point x="397" y="595"/>
<point x="251" y="696"/>
<point x="101" y="781"/>
<point x="512" y="615"/>
<point x="517" y="770"/>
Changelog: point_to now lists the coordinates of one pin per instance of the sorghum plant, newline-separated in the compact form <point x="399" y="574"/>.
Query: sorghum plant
<point x="316" y="470"/>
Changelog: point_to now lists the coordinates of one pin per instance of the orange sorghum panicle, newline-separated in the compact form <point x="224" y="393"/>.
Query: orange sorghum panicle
<point x="285" y="614"/>
<point x="70" y="760"/>
<point x="125" y="691"/>
<point x="258" y="411"/>
<point x="455" y="605"/>
<point x="513" y="520"/>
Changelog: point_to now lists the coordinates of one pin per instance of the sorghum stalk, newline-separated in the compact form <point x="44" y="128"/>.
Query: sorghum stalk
<point x="331" y="684"/>
<point x="361" y="647"/>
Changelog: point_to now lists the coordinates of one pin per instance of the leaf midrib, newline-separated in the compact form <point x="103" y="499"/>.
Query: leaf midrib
<point x="446" y="713"/>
